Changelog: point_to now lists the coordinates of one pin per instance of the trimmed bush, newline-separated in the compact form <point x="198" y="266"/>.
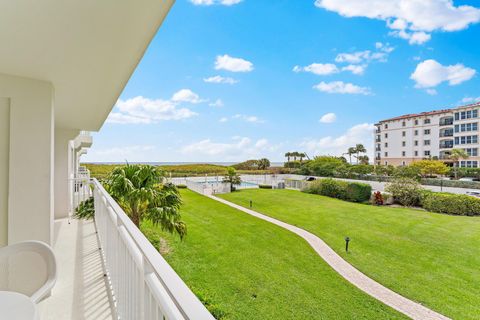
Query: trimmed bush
<point x="349" y="191"/>
<point x="358" y="192"/>
<point x="265" y="186"/>
<point x="449" y="203"/>
<point x="181" y="186"/>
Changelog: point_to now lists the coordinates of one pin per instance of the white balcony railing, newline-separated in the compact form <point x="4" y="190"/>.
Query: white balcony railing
<point x="143" y="284"/>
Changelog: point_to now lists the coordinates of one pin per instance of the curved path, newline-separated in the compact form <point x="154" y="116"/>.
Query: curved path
<point x="406" y="306"/>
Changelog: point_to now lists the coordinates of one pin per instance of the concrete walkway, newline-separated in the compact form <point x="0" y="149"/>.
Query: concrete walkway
<point x="408" y="307"/>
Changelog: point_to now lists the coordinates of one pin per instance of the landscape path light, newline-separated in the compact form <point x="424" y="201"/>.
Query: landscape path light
<point x="347" y="240"/>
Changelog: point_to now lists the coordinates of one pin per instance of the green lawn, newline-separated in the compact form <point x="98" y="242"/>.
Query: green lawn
<point x="430" y="258"/>
<point x="252" y="269"/>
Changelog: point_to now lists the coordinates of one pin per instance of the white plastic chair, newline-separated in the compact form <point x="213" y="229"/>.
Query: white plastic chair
<point x="45" y="252"/>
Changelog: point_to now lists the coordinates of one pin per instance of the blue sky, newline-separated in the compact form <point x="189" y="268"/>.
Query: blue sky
<point x="230" y="80"/>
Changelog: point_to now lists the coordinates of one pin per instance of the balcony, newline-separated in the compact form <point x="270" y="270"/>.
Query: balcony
<point x="448" y="145"/>
<point x="446" y="121"/>
<point x="109" y="270"/>
<point x="378" y="140"/>
<point x="446" y="133"/>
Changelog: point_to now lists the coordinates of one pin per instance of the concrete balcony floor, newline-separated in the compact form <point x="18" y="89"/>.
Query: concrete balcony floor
<point x="81" y="290"/>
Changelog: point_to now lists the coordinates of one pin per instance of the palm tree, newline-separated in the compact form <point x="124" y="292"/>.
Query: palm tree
<point x="263" y="164"/>
<point x="364" y="159"/>
<point x="295" y="155"/>
<point x="288" y="155"/>
<point x="359" y="148"/>
<point x="456" y="155"/>
<point x="233" y="178"/>
<point x="350" y="152"/>
<point x="140" y="190"/>
<point x="302" y="155"/>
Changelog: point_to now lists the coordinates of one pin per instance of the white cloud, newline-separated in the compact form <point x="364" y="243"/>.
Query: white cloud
<point x="365" y="56"/>
<point x="238" y="148"/>
<point x="328" y="118"/>
<point x="430" y="73"/>
<point x="217" y="103"/>
<point x="358" y="69"/>
<point x="321" y="69"/>
<point x="212" y="2"/>
<point x="336" y="146"/>
<point x="140" y="110"/>
<point x="253" y="119"/>
<point x="342" y="88"/>
<point x="470" y="100"/>
<point x="432" y="92"/>
<point x="410" y="19"/>
<point x="224" y="119"/>
<point x="232" y="64"/>
<point x="125" y="153"/>
<point x="220" y="79"/>
<point x="186" y="95"/>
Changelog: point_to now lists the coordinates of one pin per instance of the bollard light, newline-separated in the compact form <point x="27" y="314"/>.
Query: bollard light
<point x="347" y="240"/>
<point x="251" y="203"/>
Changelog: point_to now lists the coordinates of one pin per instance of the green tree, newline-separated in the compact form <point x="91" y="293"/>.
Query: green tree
<point x="232" y="177"/>
<point x="431" y="167"/>
<point x="405" y="191"/>
<point x="288" y="155"/>
<point x="301" y="155"/>
<point x="410" y="172"/>
<point x="351" y="151"/>
<point x="359" y="148"/>
<point x="327" y="166"/>
<point x="140" y="190"/>
<point x="263" y="164"/>
<point x="364" y="159"/>
<point x="456" y="155"/>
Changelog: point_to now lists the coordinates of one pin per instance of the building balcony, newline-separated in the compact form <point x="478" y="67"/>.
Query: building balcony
<point x="107" y="269"/>
<point x="446" y="121"/>
<point x="83" y="140"/>
<point x="446" y="133"/>
<point x="378" y="140"/>
<point x="446" y="145"/>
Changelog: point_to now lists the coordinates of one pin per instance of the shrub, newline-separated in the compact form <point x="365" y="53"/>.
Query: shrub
<point x="405" y="191"/>
<point x="265" y="186"/>
<point x="358" y="192"/>
<point x="449" y="203"/>
<point x="181" y="186"/>
<point x="377" y="198"/>
<point x="452" y="183"/>
<point x="209" y="301"/>
<point x="85" y="209"/>
<point x="349" y="191"/>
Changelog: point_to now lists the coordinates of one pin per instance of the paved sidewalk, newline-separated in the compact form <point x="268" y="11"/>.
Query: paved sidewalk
<point x="408" y="307"/>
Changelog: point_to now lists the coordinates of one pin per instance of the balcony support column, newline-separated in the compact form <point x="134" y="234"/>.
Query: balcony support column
<point x="63" y="170"/>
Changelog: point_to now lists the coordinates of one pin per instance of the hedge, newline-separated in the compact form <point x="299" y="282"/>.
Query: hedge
<point x="265" y="186"/>
<point x="449" y="203"/>
<point x="451" y="183"/>
<point x="349" y="191"/>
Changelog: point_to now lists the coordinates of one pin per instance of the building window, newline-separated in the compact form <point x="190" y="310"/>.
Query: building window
<point x="426" y="121"/>
<point x="416" y="132"/>
<point x="426" y="142"/>
<point x="386" y="126"/>
<point x="404" y="133"/>
<point x="386" y="145"/>
<point x="416" y="153"/>
<point x="416" y="122"/>
<point x="386" y="163"/>
<point x="404" y="143"/>
<point x="426" y="131"/>
<point x="466" y="140"/>
<point x="386" y="154"/>
<point x="404" y="153"/>
<point x="469" y="164"/>
<point x="403" y="163"/>
<point x="386" y="135"/>
<point x="472" y="152"/>
<point x="403" y="124"/>
<point x="466" y="127"/>
<point x="426" y="153"/>
<point x="469" y="114"/>
<point x="415" y="143"/>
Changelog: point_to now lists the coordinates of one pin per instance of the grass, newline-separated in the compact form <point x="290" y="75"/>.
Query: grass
<point x="428" y="257"/>
<point x="251" y="269"/>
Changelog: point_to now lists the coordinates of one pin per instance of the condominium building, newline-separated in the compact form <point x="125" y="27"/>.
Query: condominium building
<point x="429" y="135"/>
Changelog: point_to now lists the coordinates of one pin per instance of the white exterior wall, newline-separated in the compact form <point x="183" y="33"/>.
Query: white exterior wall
<point x="4" y="167"/>
<point x="30" y="162"/>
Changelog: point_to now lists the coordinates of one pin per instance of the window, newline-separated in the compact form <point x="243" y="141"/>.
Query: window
<point x="466" y="127"/>
<point x="469" y="164"/>
<point x="403" y="163"/>
<point x="426" y="121"/>
<point x="457" y="116"/>
<point x="426" y="142"/>
<point x="386" y="163"/>
<point x="426" y="131"/>
<point x="386" y="145"/>
<point x="386" y="154"/>
<point x="416" y="122"/>
<point x="466" y="140"/>
<point x="469" y="114"/>
<point x="416" y="153"/>
<point x="404" y="133"/>
<point x="403" y="153"/>
<point x="457" y="128"/>
<point x="426" y="153"/>
<point x="403" y="124"/>
<point x="386" y="126"/>
<point x="472" y="152"/>
<point x="416" y="132"/>
<point x="415" y="143"/>
<point x="404" y="143"/>
<point x="386" y="135"/>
